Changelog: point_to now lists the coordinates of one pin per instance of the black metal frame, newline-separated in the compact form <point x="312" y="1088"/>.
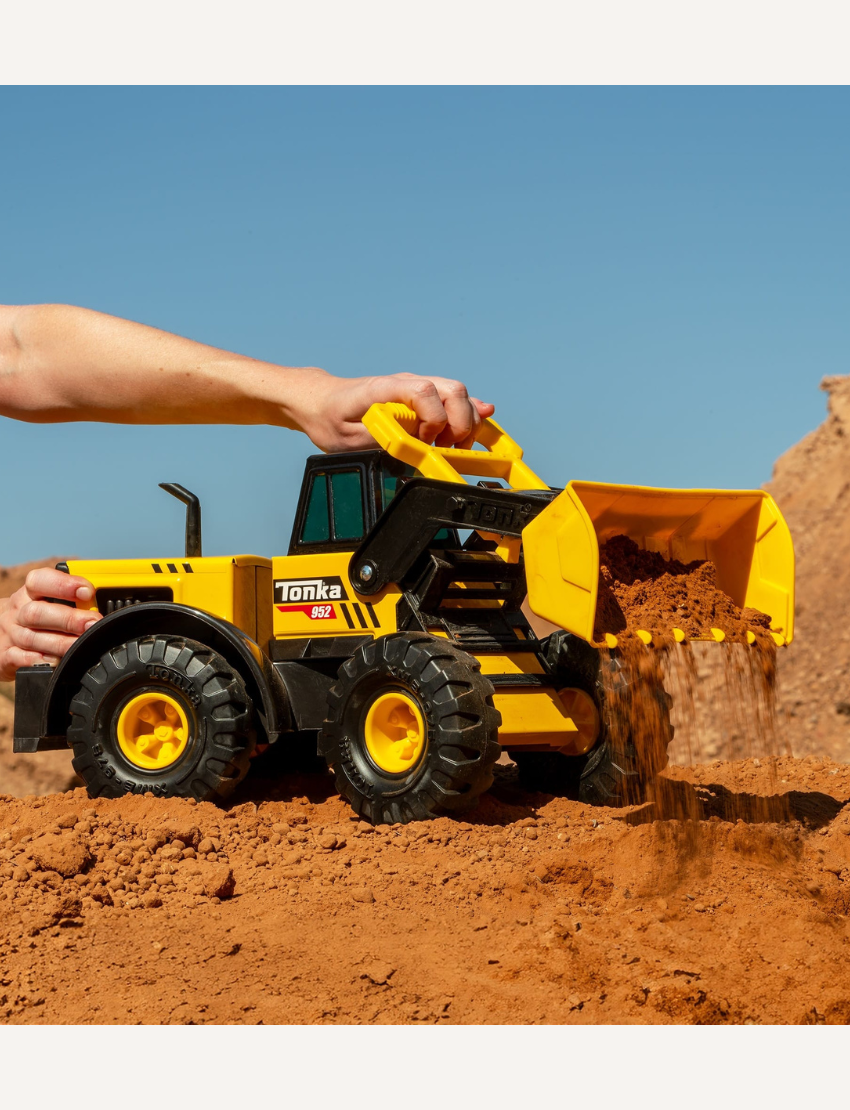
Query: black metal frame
<point x="420" y="509"/>
<point x="399" y="549"/>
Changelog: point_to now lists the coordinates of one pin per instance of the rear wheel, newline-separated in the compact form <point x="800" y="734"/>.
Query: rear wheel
<point x="161" y="714"/>
<point x="633" y="739"/>
<point x="411" y="729"/>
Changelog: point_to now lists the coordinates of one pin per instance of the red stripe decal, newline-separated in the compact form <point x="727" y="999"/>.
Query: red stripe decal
<point x="314" y="612"/>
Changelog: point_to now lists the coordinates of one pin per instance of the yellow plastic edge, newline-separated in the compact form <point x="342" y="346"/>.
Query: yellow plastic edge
<point x="562" y="564"/>
<point x="394" y="427"/>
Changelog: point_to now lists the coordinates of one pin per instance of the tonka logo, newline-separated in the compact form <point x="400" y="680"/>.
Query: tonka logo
<point x="287" y="590"/>
<point x="165" y="674"/>
<point x="497" y="516"/>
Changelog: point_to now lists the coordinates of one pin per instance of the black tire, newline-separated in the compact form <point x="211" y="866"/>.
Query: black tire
<point x="617" y="770"/>
<point x="212" y="695"/>
<point x="461" y="723"/>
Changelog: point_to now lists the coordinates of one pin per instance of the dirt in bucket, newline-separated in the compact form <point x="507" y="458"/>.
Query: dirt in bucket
<point x="642" y="590"/>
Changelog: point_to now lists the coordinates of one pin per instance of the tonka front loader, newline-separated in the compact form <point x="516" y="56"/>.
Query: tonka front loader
<point x="392" y="633"/>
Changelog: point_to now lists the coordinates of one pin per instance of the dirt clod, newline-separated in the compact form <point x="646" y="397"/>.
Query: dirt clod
<point x="218" y="880"/>
<point x="378" y="973"/>
<point x="65" y="854"/>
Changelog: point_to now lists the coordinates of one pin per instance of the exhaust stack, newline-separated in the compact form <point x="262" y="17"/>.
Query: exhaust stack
<point x="193" y="517"/>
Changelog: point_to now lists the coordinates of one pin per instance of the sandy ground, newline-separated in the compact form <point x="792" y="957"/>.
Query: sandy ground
<point x="533" y="909"/>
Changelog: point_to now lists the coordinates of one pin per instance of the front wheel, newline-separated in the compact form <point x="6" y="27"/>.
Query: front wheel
<point x="411" y="729"/>
<point x="162" y="714"/>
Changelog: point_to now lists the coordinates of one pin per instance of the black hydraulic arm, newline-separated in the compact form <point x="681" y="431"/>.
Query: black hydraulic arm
<point x="420" y="509"/>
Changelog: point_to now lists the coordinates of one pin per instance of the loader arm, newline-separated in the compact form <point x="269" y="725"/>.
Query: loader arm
<point x="742" y="532"/>
<point x="420" y="509"/>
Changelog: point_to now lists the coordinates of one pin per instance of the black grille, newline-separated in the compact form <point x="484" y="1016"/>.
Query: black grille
<point x="112" y="599"/>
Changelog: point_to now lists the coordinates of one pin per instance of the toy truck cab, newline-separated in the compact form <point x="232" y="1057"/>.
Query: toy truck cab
<point x="342" y="498"/>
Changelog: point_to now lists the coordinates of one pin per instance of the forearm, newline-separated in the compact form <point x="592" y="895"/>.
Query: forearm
<point x="59" y="362"/>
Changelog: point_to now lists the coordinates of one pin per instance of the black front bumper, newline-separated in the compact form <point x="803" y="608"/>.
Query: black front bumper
<point x="31" y="687"/>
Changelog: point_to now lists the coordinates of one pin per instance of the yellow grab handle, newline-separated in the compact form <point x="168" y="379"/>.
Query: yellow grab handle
<point x="394" y="427"/>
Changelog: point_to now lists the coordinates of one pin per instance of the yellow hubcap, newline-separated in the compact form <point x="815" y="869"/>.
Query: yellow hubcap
<point x="581" y="709"/>
<point x="395" y="732"/>
<point x="153" y="730"/>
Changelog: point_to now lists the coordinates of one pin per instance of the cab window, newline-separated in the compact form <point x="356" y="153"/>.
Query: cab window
<point x="334" y="508"/>
<point x="347" y="502"/>
<point x="317" y="520"/>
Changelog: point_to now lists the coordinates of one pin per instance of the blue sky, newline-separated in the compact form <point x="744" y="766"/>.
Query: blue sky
<point x="648" y="283"/>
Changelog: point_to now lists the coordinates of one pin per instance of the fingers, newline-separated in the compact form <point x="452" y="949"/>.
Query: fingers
<point x="14" y="657"/>
<point x="447" y="414"/>
<point x="419" y="394"/>
<point x="43" y="626"/>
<point x="35" y="631"/>
<point x="40" y="615"/>
<point x="485" y="409"/>
<point x="47" y="582"/>
<point x="333" y="417"/>
<point x="45" y="643"/>
<point x="463" y="418"/>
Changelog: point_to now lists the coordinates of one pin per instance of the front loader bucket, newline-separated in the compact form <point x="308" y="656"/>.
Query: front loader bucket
<point x="741" y="531"/>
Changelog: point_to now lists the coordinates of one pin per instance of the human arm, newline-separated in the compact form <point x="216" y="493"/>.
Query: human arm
<point x="60" y="363"/>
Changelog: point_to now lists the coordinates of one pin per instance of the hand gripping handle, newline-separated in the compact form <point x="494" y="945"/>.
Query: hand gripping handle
<point x="394" y="428"/>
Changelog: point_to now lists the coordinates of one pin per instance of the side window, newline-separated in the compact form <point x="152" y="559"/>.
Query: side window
<point x="347" y="498"/>
<point x="392" y="481"/>
<point x="316" y="522"/>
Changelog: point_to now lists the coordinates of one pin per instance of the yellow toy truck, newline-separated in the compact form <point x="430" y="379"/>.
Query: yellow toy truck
<point x="393" y="633"/>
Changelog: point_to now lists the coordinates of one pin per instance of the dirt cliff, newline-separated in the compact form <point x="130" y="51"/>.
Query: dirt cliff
<point x="811" y="483"/>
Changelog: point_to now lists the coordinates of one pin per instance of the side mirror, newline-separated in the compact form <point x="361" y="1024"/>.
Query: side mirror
<point x="193" y="517"/>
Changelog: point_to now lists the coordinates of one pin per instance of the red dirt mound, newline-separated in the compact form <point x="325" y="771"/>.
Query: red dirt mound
<point x="286" y="908"/>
